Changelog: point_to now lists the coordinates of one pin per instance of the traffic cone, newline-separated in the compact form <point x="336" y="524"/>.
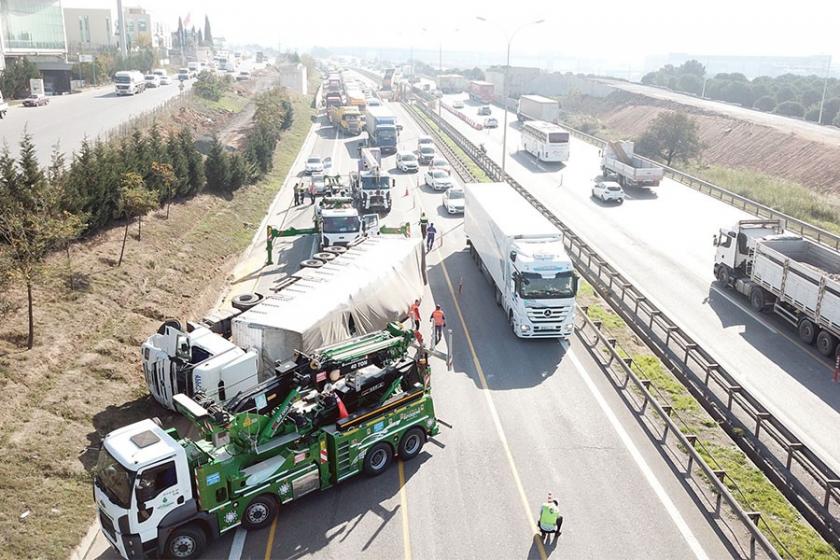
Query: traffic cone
<point x="342" y="410"/>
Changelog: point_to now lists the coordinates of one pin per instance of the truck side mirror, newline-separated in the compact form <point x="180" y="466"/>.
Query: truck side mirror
<point x="715" y="240"/>
<point x="513" y="256"/>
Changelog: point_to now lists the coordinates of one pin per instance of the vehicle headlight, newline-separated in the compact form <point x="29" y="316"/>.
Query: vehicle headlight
<point x="524" y="328"/>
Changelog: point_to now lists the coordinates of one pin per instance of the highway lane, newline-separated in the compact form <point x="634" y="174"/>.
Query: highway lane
<point x="661" y="240"/>
<point x="68" y="119"/>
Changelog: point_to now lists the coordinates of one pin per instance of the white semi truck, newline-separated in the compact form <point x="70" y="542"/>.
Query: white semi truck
<point x="523" y="254"/>
<point x="538" y="108"/>
<point x="358" y="291"/>
<point x="792" y="276"/>
<point x="631" y="170"/>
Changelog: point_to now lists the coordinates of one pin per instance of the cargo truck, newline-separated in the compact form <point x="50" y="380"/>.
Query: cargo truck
<point x="538" y="108"/>
<point x="359" y="290"/>
<point x="450" y="83"/>
<point x="347" y="119"/>
<point x="523" y="256"/>
<point x="617" y="158"/>
<point x="792" y="276"/>
<point x="322" y="418"/>
<point x="381" y="126"/>
<point x="480" y="92"/>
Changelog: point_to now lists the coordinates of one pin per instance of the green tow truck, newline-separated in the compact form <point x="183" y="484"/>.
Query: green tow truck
<point x="322" y="418"/>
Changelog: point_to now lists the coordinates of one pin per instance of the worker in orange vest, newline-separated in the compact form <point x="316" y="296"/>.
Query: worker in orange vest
<point x="414" y="313"/>
<point x="438" y="320"/>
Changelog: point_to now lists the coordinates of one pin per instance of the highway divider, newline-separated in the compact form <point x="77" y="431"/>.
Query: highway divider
<point x="461" y="115"/>
<point x="455" y="160"/>
<point x="795" y="469"/>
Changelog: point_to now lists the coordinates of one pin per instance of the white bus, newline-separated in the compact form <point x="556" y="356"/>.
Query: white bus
<point x="547" y="142"/>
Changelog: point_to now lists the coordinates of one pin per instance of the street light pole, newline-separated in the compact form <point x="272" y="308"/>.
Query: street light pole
<point x="825" y="87"/>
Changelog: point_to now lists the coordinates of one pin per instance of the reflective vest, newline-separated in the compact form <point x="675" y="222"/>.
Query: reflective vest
<point x="548" y="516"/>
<point x="438" y="318"/>
<point x="424" y="221"/>
<point x="414" y="311"/>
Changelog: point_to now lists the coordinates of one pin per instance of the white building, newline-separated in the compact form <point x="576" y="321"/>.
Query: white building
<point x="293" y="76"/>
<point x="89" y="29"/>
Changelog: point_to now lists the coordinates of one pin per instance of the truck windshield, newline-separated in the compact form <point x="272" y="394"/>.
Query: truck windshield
<point x="342" y="224"/>
<point x="534" y="286"/>
<point x="122" y="79"/>
<point x="387" y="135"/>
<point x="373" y="183"/>
<point x="113" y="479"/>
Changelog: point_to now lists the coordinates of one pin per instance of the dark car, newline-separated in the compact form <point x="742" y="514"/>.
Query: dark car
<point x="36" y="100"/>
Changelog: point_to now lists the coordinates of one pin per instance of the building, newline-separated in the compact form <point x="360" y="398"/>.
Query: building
<point x="293" y="76"/>
<point x="35" y="29"/>
<point x="519" y="79"/>
<point x="89" y="30"/>
<point x="138" y="28"/>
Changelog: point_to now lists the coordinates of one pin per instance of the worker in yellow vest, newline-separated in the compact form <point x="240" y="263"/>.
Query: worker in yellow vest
<point x="550" y="519"/>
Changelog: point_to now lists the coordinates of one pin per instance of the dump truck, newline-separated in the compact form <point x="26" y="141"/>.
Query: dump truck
<point x="617" y="158"/>
<point x="522" y="254"/>
<point x="371" y="184"/>
<point x="381" y="126"/>
<point x="388" y="79"/>
<point x="480" y="92"/>
<point x="348" y="119"/>
<point x="538" y="108"/>
<point x="336" y="294"/>
<point x="321" y="419"/>
<point x="786" y="274"/>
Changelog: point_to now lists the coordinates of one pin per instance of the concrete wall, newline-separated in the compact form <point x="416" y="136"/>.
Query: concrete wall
<point x="293" y="76"/>
<point x="550" y="84"/>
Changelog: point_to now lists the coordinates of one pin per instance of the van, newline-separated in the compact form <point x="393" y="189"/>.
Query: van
<point x="425" y="141"/>
<point x="129" y="82"/>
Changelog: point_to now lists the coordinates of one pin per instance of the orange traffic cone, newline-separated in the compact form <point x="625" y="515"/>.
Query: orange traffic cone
<point x="342" y="410"/>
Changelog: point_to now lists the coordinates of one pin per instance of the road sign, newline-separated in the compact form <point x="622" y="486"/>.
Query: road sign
<point x="85" y="58"/>
<point x="36" y="86"/>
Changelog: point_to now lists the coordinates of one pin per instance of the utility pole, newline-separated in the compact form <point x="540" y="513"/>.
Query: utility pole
<point x="825" y="87"/>
<point x="123" y="38"/>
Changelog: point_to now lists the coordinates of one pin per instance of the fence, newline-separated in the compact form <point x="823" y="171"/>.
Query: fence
<point x="146" y="119"/>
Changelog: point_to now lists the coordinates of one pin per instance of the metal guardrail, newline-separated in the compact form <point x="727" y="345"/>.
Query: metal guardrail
<point x="795" y="469"/>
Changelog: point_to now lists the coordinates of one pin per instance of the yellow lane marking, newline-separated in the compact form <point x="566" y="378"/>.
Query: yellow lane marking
<point x="404" y="511"/>
<point x="270" y="542"/>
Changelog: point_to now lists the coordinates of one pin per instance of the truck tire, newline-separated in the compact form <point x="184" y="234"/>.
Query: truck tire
<point x="311" y="263"/>
<point x="259" y="513"/>
<point x="185" y="543"/>
<point x="378" y="458"/>
<point x="174" y="323"/>
<point x="324" y="256"/>
<point x="826" y="344"/>
<point x="722" y="274"/>
<point x="335" y="249"/>
<point x="807" y="331"/>
<point x="411" y="443"/>
<point x="498" y="297"/>
<point x="757" y="299"/>
<point x="244" y="302"/>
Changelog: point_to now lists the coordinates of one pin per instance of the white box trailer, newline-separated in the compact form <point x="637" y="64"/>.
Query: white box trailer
<point x="538" y="108"/>
<point x="619" y="158"/>
<point x="523" y="255"/>
<point x="794" y="277"/>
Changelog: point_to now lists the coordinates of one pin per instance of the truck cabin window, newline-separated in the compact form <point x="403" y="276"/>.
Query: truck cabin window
<point x="155" y="480"/>
<point x="534" y="286"/>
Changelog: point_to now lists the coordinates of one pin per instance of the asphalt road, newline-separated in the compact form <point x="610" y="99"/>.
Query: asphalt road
<point x="519" y="419"/>
<point x="68" y="119"/>
<point x="661" y="239"/>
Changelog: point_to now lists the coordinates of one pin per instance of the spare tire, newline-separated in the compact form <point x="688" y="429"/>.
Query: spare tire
<point x="326" y="257"/>
<point x="335" y="249"/>
<point x="311" y="263"/>
<point x="244" y="302"/>
<point x="174" y="323"/>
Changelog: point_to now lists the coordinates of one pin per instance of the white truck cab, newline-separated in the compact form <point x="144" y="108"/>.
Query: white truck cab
<point x="342" y="226"/>
<point x="143" y="490"/>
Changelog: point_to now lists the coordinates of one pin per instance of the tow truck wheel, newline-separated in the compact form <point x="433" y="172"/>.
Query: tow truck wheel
<point x="378" y="458"/>
<point x="311" y="263"/>
<point x="335" y="249"/>
<point x="826" y="344"/>
<point x="411" y="443"/>
<point x="186" y="542"/>
<point x="259" y="513"/>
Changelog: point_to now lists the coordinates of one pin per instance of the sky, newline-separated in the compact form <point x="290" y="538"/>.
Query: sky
<point x="623" y="32"/>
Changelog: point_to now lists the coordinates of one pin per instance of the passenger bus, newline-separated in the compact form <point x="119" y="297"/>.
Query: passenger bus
<point x="547" y="142"/>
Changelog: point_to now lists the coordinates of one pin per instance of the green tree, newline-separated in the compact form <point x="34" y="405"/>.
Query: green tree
<point x="180" y="165"/>
<point x="811" y="96"/>
<point x="813" y="113"/>
<point x="785" y="93"/>
<point x="14" y="81"/>
<point x="195" y="163"/>
<point x="162" y="180"/>
<point x="32" y="220"/>
<point x="692" y="67"/>
<point x="690" y="83"/>
<point x="790" y="109"/>
<point x="765" y="103"/>
<point x="135" y="202"/>
<point x="830" y="109"/>
<point x="208" y="34"/>
<point x="671" y="136"/>
<point x="216" y="168"/>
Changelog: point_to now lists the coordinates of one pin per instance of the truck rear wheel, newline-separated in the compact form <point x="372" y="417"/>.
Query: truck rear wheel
<point x="757" y="300"/>
<point x="826" y="344"/>
<point x="411" y="443"/>
<point x="185" y="543"/>
<point x="244" y="302"/>
<point x="259" y="513"/>
<point x="378" y="458"/>
<point x="335" y="249"/>
<point x="807" y="331"/>
<point x="325" y="256"/>
<point x="311" y="263"/>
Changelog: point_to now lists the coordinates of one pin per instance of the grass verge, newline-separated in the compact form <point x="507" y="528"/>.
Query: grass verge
<point x="230" y="101"/>
<point x="790" y="197"/>
<point x="474" y="169"/>
<point x="746" y="482"/>
<point x="83" y="378"/>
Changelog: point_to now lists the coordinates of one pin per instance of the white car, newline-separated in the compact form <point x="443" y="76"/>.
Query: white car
<point x="439" y="180"/>
<point x="407" y="162"/>
<point x="608" y="190"/>
<point x="440" y="163"/>
<point x="152" y="80"/>
<point x="453" y="200"/>
<point x="458" y="104"/>
<point x="491" y="122"/>
<point x="314" y="164"/>
<point x="164" y="78"/>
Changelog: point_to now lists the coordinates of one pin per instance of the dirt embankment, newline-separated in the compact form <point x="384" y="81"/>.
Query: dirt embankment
<point x="728" y="141"/>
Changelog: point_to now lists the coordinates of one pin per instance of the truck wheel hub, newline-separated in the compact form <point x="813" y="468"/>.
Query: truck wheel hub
<point x="183" y="546"/>
<point x="257" y="513"/>
<point x="412" y="443"/>
<point x="378" y="460"/>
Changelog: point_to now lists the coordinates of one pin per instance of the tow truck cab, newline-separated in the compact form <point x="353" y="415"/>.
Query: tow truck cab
<point x="143" y="492"/>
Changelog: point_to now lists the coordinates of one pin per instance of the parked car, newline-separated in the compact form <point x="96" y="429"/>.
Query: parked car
<point x="608" y="190"/>
<point x="453" y="200"/>
<point x="426" y="154"/>
<point x="407" y="162"/>
<point x="440" y="163"/>
<point x="484" y="110"/>
<point x="458" y="104"/>
<point x="439" y="180"/>
<point x="491" y="122"/>
<point x="152" y="80"/>
<point x="36" y="100"/>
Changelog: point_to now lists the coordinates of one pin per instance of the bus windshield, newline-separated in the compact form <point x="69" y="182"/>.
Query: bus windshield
<point x="558" y="137"/>
<point x="534" y="286"/>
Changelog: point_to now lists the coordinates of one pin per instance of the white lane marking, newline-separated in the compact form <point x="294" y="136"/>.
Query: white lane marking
<point x="238" y="544"/>
<point x="740" y="305"/>
<point x="654" y="483"/>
